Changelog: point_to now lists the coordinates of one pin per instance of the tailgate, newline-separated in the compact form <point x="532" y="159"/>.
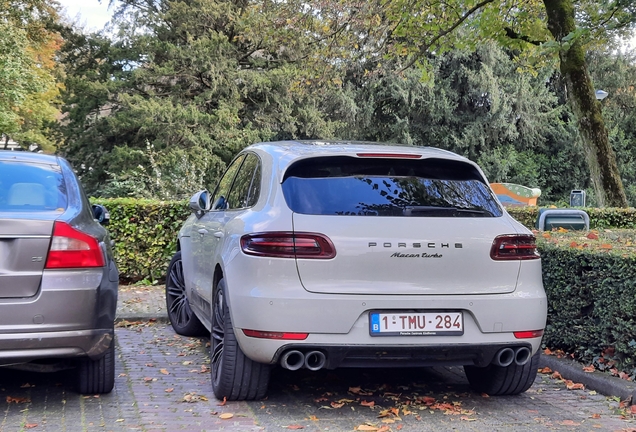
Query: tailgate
<point x="407" y="255"/>
<point x="24" y="246"/>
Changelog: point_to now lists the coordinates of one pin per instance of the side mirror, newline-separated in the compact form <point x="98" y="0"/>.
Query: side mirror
<point x="101" y="214"/>
<point x="200" y="201"/>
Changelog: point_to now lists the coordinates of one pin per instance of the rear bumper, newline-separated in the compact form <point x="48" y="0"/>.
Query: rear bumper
<point x="24" y="347"/>
<point x="412" y="356"/>
<point x="72" y="315"/>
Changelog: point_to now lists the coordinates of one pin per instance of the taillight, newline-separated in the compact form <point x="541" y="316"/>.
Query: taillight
<point x="288" y="245"/>
<point x="514" y="247"/>
<point x="390" y="155"/>
<point x="528" y="334"/>
<point x="275" y="335"/>
<point x="71" y="248"/>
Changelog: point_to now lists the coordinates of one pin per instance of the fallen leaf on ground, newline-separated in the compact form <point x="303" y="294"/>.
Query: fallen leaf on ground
<point x="589" y="368"/>
<point x="31" y="425"/>
<point x="545" y="370"/>
<point x="169" y="390"/>
<point x="556" y="375"/>
<point x="337" y="405"/>
<point x="364" y="427"/>
<point x="17" y="400"/>
<point x="569" y="423"/>
<point x="367" y="403"/>
<point x="164" y="371"/>
<point x="294" y="427"/>
<point x="574" y="386"/>
<point x="226" y="416"/>
<point x="223" y="402"/>
<point x="596" y="416"/>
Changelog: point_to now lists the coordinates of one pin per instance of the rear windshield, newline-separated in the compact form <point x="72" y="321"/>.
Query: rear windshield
<point x="31" y="187"/>
<point x="388" y="187"/>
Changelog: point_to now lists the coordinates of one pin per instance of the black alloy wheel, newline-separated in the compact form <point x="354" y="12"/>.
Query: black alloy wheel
<point x="181" y="315"/>
<point x="217" y="337"/>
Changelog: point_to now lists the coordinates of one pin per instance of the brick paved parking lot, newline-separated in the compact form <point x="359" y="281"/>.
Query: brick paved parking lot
<point x="163" y="385"/>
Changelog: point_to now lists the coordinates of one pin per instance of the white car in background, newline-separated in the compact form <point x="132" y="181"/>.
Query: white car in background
<point x="318" y="254"/>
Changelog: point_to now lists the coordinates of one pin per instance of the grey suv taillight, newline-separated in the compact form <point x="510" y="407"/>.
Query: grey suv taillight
<point x="288" y="245"/>
<point x="514" y="247"/>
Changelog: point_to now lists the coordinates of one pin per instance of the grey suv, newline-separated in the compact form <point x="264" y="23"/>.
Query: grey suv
<point x="58" y="280"/>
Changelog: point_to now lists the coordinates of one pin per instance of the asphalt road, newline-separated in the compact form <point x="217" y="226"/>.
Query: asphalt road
<point x="163" y="384"/>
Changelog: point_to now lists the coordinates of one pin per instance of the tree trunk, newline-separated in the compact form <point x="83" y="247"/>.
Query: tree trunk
<point x="601" y="159"/>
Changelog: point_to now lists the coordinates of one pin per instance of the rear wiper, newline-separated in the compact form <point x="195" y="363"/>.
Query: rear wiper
<point x="422" y="210"/>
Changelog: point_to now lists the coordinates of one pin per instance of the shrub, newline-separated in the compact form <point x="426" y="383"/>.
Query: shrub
<point x="145" y="234"/>
<point x="599" y="217"/>
<point x="591" y="299"/>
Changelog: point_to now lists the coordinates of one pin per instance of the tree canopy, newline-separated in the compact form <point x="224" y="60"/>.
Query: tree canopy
<point x="158" y="109"/>
<point x="29" y="91"/>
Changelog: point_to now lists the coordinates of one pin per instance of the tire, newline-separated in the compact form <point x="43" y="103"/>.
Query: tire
<point x="500" y="381"/>
<point x="97" y="376"/>
<point x="234" y="376"/>
<point x="180" y="314"/>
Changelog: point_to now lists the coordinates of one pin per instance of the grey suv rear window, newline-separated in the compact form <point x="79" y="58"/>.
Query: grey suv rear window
<point x="31" y="187"/>
<point x="388" y="187"/>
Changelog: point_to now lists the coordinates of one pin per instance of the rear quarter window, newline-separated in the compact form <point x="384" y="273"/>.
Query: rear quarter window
<point x="31" y="187"/>
<point x="388" y="187"/>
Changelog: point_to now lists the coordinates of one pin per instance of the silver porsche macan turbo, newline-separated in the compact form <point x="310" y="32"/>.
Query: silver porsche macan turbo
<point x="321" y="254"/>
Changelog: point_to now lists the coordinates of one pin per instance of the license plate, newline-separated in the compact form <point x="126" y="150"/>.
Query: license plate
<point x="430" y="323"/>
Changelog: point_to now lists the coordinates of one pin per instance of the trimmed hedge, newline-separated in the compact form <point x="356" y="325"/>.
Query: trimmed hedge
<point x="599" y="217"/>
<point x="145" y="234"/>
<point x="591" y="304"/>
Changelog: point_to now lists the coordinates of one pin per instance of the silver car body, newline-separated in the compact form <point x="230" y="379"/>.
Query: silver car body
<point x="50" y="313"/>
<point x="381" y="264"/>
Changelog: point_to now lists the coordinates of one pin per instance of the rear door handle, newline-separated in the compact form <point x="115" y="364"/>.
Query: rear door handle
<point x="218" y="234"/>
<point x="203" y="231"/>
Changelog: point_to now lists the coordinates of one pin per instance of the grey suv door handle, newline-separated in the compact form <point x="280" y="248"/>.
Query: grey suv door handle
<point x="218" y="234"/>
<point x="203" y="231"/>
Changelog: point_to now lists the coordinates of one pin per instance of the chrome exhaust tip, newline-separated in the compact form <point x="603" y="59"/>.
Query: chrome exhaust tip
<point x="504" y="357"/>
<point x="292" y="360"/>
<point x="522" y="355"/>
<point x="315" y="360"/>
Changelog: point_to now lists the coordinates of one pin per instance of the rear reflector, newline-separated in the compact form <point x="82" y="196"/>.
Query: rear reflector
<point x="275" y="335"/>
<point x="390" y="155"/>
<point x="288" y="245"/>
<point x="514" y="247"/>
<point x="71" y="248"/>
<point x="528" y="334"/>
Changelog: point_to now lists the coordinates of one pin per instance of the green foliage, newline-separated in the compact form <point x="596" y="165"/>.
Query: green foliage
<point x="478" y="105"/>
<point x="200" y="82"/>
<point x="28" y="71"/>
<point x="591" y="303"/>
<point x="145" y="235"/>
<point x="624" y="218"/>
